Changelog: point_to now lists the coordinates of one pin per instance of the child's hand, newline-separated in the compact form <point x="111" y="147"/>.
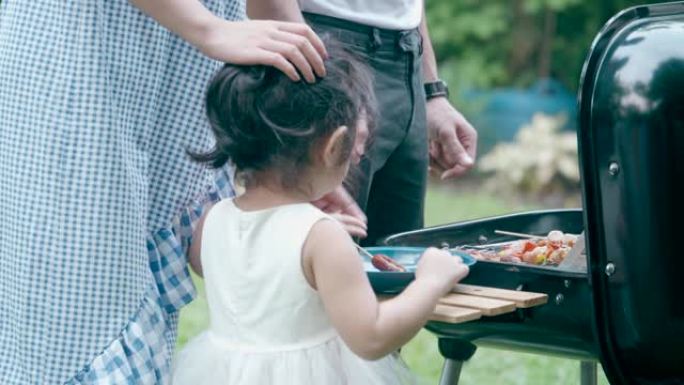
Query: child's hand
<point x="441" y="269"/>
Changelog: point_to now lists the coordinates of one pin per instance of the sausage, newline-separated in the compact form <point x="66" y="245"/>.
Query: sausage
<point x="385" y="263"/>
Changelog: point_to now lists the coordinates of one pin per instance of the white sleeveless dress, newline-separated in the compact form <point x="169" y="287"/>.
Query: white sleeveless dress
<point x="267" y="325"/>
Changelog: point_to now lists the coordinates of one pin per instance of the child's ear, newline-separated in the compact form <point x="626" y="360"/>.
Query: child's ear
<point x="333" y="146"/>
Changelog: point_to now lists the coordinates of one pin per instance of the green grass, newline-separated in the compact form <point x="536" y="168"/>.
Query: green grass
<point x="488" y="366"/>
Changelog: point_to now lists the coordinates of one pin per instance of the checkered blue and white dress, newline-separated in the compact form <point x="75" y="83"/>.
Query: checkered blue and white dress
<point x="98" y="104"/>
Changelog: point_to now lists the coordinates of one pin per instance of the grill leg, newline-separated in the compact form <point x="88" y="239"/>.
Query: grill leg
<point x="588" y="373"/>
<point x="451" y="371"/>
<point x="455" y="352"/>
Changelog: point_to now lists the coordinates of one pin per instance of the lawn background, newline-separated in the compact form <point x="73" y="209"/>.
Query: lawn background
<point x="488" y="366"/>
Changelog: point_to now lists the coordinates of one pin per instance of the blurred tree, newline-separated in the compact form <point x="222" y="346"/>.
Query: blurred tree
<point x="514" y="42"/>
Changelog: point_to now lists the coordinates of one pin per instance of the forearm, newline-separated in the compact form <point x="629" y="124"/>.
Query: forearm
<point x="189" y="19"/>
<point x="283" y="10"/>
<point x="399" y="319"/>
<point x="428" y="60"/>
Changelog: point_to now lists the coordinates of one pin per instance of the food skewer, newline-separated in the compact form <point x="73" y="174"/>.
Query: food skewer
<point x="532" y="249"/>
<point x="519" y="235"/>
<point x="364" y="251"/>
<point x="381" y="261"/>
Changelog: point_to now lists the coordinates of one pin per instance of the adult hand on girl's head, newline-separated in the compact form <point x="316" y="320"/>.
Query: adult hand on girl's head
<point x="339" y="201"/>
<point x="287" y="46"/>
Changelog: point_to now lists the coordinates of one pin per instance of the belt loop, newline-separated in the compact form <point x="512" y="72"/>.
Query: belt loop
<point x="376" y="41"/>
<point x="420" y="43"/>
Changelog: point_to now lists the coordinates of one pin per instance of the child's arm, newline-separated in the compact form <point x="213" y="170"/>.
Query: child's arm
<point x="194" y="252"/>
<point x="371" y="329"/>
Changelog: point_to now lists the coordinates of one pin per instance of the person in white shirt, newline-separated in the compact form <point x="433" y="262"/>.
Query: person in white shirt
<point x="416" y="126"/>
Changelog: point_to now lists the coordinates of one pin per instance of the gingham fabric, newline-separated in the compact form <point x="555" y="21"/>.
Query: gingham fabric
<point x="98" y="105"/>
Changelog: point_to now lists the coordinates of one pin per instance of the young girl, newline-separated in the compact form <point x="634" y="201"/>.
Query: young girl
<point x="288" y="297"/>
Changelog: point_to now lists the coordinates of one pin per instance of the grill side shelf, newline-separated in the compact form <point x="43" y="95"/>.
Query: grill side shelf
<point x="522" y="299"/>
<point x="488" y="306"/>
<point x="470" y="302"/>
<point x="454" y="314"/>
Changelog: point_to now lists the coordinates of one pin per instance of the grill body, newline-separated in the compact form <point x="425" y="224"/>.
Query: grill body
<point x="562" y="327"/>
<point x="631" y="137"/>
<point x="627" y="311"/>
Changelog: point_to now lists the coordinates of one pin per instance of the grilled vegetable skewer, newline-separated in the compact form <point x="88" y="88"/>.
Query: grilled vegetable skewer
<point x="536" y="250"/>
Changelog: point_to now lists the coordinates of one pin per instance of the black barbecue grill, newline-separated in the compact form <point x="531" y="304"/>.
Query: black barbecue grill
<point x="627" y="311"/>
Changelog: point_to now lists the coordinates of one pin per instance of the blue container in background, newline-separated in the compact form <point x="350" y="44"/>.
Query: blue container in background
<point x="503" y="111"/>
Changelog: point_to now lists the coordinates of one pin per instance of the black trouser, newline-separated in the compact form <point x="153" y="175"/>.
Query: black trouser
<point x="390" y="184"/>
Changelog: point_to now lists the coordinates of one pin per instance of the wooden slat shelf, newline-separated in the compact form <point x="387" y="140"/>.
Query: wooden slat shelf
<point x="522" y="299"/>
<point x="454" y="314"/>
<point x="488" y="306"/>
<point x="469" y="302"/>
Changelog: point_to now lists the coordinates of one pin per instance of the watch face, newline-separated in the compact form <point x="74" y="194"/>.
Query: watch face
<point x="435" y="89"/>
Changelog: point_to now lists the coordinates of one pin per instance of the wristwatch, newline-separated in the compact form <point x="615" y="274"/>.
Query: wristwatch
<point x="436" y="89"/>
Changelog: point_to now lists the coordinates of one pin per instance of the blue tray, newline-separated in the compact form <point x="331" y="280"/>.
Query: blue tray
<point x="392" y="282"/>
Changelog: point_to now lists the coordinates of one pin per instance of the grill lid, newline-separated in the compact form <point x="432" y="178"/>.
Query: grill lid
<point x="631" y="118"/>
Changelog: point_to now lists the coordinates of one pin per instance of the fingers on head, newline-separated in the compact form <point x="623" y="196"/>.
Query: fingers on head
<point x="278" y="61"/>
<point x="305" y="31"/>
<point x="301" y="46"/>
<point x="294" y="56"/>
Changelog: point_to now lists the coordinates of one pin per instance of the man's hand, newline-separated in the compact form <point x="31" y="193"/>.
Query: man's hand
<point x="452" y="140"/>
<point x="362" y="133"/>
<point x="353" y="225"/>
<point x="344" y="208"/>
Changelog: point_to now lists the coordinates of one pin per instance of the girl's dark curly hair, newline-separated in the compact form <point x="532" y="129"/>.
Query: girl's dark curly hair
<point x="263" y="120"/>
